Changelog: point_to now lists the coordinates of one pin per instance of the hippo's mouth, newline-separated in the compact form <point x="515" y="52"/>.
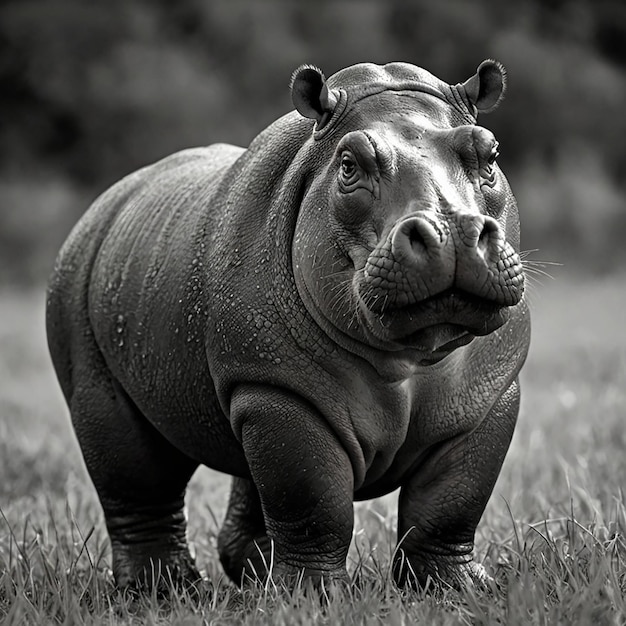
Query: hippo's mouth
<point x="435" y="326"/>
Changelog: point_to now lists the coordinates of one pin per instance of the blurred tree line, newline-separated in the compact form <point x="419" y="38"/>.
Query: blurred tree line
<point x="92" y="90"/>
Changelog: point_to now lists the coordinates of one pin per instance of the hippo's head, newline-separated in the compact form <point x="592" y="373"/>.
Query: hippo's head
<point x="408" y="233"/>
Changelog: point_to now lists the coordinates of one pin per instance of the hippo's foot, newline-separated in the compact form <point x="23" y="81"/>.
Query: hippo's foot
<point x="145" y="571"/>
<point x="323" y="582"/>
<point x="252" y="561"/>
<point x="422" y="572"/>
<point x="150" y="552"/>
<point x="258" y="559"/>
<point x="256" y="562"/>
<point x="244" y="549"/>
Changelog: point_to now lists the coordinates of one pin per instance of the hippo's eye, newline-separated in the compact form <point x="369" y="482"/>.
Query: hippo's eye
<point x="487" y="171"/>
<point x="348" y="167"/>
<point x="494" y="153"/>
<point x="357" y="165"/>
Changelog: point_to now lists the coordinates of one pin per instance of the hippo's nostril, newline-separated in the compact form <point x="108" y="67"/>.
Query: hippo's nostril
<point x="483" y="241"/>
<point x="415" y="239"/>
<point x="487" y="239"/>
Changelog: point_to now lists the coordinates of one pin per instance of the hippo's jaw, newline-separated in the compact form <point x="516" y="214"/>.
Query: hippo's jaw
<point x="434" y="327"/>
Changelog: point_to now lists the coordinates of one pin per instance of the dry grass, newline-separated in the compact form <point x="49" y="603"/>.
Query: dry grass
<point x="553" y="535"/>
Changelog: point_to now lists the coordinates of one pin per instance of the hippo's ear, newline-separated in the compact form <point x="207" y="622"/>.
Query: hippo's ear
<point x="310" y="94"/>
<point x="486" y="88"/>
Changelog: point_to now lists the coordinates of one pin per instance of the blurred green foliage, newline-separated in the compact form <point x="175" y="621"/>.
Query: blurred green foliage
<point x="92" y="90"/>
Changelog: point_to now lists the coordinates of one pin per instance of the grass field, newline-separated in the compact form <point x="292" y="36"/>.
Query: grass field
<point x="553" y="535"/>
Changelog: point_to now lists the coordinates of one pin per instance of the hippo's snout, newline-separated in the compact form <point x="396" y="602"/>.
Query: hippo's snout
<point x="445" y="255"/>
<point x="435" y="268"/>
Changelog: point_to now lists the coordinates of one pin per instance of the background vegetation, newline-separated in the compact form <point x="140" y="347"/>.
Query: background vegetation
<point x="93" y="90"/>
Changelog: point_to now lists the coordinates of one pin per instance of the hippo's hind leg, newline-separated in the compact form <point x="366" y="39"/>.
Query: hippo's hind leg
<point x="242" y="543"/>
<point x="139" y="476"/>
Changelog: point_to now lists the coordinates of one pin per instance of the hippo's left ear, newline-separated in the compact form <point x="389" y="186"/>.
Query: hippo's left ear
<point x="486" y="88"/>
<point x="311" y="96"/>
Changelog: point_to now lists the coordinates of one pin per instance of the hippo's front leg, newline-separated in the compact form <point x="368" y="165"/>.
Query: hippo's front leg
<point x="440" y="507"/>
<point x="304" y="479"/>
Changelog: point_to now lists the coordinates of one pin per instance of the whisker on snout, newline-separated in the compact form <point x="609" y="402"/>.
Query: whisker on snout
<point x="341" y="289"/>
<point x="535" y="273"/>
<point x="536" y="267"/>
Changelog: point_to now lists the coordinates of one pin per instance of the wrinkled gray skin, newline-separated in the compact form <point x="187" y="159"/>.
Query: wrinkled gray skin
<point x="329" y="315"/>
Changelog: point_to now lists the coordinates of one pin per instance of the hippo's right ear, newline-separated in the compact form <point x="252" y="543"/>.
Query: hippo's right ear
<point x="486" y="88"/>
<point x="311" y="96"/>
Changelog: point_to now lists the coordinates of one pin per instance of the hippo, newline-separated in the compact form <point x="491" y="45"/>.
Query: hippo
<point x="332" y="314"/>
